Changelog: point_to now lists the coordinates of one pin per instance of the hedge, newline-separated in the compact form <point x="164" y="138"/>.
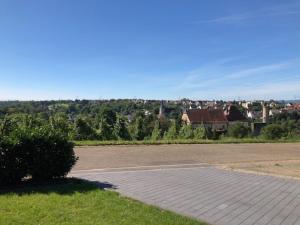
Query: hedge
<point x="39" y="153"/>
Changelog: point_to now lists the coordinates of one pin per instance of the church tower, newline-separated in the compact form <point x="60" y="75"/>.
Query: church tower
<point x="265" y="112"/>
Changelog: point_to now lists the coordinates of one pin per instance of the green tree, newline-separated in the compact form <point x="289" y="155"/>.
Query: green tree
<point x="7" y="125"/>
<point x="109" y="115"/>
<point x="200" y="133"/>
<point x="186" y="132"/>
<point x="156" y="133"/>
<point x="61" y="123"/>
<point x="83" y="131"/>
<point x="120" y="129"/>
<point x="138" y="129"/>
<point x="290" y="126"/>
<point x="106" y="131"/>
<point x="273" y="132"/>
<point x="171" y="134"/>
<point x="238" y="130"/>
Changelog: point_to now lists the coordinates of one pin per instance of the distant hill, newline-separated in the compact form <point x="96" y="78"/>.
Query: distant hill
<point x="293" y="101"/>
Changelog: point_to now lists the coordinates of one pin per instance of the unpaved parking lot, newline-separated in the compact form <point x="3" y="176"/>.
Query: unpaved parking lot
<point x="282" y="159"/>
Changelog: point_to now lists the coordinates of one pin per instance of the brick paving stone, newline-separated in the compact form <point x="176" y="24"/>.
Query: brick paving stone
<point x="220" y="197"/>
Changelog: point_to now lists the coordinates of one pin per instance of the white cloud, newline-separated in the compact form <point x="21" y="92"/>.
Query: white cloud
<point x="222" y="81"/>
<point x="259" y="69"/>
<point x="218" y="73"/>
<point x="275" y="90"/>
<point x="277" y="10"/>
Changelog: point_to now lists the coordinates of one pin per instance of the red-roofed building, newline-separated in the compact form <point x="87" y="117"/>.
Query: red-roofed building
<point x="234" y="115"/>
<point x="209" y="118"/>
<point x="293" y="107"/>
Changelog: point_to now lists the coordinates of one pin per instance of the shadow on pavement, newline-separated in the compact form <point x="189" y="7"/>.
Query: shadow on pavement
<point x="65" y="186"/>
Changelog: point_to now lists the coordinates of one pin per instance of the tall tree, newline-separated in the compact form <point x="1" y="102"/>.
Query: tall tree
<point x="106" y="131"/>
<point x="156" y="133"/>
<point x="171" y="134"/>
<point x="83" y="131"/>
<point x="186" y="132"/>
<point x="120" y="129"/>
<point x="138" y="129"/>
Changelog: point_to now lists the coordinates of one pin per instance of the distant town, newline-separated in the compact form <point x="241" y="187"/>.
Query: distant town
<point x="138" y="119"/>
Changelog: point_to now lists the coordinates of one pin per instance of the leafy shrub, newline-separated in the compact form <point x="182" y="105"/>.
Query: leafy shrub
<point x="120" y="130"/>
<point x="84" y="131"/>
<point x="200" y="133"/>
<point x="273" y="132"/>
<point x="238" y="130"/>
<point x="186" y="132"/>
<point x="137" y="131"/>
<point x="13" y="166"/>
<point x="156" y="133"/>
<point x="212" y="134"/>
<point x="39" y="152"/>
<point x="171" y="134"/>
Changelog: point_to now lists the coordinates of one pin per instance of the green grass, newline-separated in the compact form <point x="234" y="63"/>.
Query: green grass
<point x="225" y="140"/>
<point x="78" y="202"/>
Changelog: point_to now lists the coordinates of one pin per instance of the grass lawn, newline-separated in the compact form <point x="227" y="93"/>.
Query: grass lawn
<point x="225" y="140"/>
<point x="78" y="202"/>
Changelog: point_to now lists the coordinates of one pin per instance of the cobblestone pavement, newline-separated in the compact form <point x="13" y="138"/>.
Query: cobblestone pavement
<point x="219" y="197"/>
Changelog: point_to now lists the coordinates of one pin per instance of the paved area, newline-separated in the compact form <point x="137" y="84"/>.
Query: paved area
<point x="219" y="197"/>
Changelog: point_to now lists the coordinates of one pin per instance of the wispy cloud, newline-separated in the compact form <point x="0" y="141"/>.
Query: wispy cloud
<point x="268" y="90"/>
<point x="205" y="74"/>
<point x="224" y="81"/>
<point x="259" y="70"/>
<point x="218" y="73"/>
<point x="278" y="10"/>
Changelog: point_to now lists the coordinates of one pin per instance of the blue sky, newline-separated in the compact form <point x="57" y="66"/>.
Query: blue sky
<point x="158" y="49"/>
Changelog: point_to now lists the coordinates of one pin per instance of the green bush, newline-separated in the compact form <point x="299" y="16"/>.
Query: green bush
<point x="156" y="133"/>
<point x="41" y="153"/>
<point x="200" y="133"/>
<point x="273" y="132"/>
<point x="186" y="132"/>
<point x="238" y="130"/>
<point x="171" y="134"/>
<point x="13" y="166"/>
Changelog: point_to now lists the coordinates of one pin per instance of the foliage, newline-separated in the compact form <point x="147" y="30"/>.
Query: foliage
<point x="200" y="133"/>
<point x="212" y="134"/>
<point x="292" y="127"/>
<point x="238" y="130"/>
<point x="60" y="122"/>
<point x="156" y="133"/>
<point x="171" y="134"/>
<point x="49" y="153"/>
<point x="106" y="131"/>
<point x="13" y="165"/>
<point x="138" y="129"/>
<point x="186" y="132"/>
<point x="120" y="129"/>
<point x="120" y="119"/>
<point x="109" y="115"/>
<point x="273" y="132"/>
<point x="40" y="152"/>
<point x="83" y="130"/>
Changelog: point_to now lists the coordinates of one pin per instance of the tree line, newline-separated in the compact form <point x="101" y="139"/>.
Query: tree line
<point x="127" y="120"/>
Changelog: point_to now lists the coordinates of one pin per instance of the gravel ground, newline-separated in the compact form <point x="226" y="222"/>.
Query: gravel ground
<point x="107" y="157"/>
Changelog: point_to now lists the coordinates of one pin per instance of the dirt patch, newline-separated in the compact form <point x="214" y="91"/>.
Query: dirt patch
<point x="283" y="159"/>
<point x="288" y="168"/>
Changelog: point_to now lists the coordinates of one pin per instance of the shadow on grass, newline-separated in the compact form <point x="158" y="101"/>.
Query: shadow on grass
<point x="64" y="186"/>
